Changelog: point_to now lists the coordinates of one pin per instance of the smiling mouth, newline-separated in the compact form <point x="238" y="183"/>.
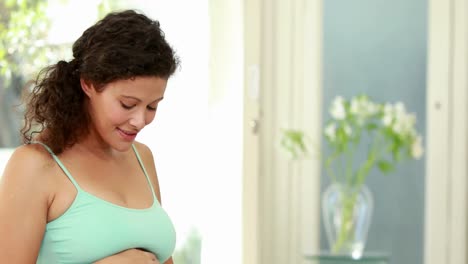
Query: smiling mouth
<point x="127" y="132"/>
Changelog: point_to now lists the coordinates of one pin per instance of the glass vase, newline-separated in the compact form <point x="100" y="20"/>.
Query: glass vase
<point x="347" y="212"/>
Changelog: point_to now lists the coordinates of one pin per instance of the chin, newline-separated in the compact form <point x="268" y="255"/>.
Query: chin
<point x="121" y="146"/>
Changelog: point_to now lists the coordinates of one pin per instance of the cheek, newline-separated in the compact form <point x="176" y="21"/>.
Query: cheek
<point x="116" y="115"/>
<point x="107" y="112"/>
<point x="149" y="117"/>
<point x="119" y="116"/>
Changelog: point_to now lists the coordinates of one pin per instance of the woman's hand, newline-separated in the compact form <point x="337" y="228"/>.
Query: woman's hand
<point x="131" y="256"/>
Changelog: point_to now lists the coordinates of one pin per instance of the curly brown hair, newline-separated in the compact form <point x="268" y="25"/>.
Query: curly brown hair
<point x="123" y="45"/>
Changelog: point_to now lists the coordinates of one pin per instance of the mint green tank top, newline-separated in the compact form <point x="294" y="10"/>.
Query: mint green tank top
<point x="92" y="228"/>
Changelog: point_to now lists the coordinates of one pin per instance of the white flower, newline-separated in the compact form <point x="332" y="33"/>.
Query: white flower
<point x="330" y="132"/>
<point x="416" y="148"/>
<point x="372" y="108"/>
<point x="396" y="117"/>
<point x="387" y="118"/>
<point x="399" y="108"/>
<point x="354" y="108"/>
<point x="398" y="127"/>
<point x="337" y="110"/>
<point x="347" y="130"/>
<point x="404" y="123"/>
<point x="362" y="108"/>
<point x="388" y="108"/>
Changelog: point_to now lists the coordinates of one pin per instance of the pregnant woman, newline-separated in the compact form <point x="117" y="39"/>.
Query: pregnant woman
<point x="81" y="189"/>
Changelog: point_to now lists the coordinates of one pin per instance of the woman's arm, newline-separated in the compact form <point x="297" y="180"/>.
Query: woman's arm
<point x="24" y="201"/>
<point x="130" y="256"/>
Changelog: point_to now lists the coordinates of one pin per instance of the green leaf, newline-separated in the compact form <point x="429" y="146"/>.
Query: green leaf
<point x="293" y="142"/>
<point x="385" y="166"/>
<point x="371" y="126"/>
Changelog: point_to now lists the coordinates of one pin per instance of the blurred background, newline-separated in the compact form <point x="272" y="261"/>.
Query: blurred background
<point x="250" y="70"/>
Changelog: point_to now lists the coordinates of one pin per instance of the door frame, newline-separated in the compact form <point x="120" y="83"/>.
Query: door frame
<point x="283" y="89"/>
<point x="446" y="215"/>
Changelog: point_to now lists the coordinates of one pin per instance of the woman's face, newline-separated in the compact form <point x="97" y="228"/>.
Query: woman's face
<point x="123" y="108"/>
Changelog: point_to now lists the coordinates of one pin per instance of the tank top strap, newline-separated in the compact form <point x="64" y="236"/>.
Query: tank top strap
<point x="144" y="170"/>
<point x="64" y="169"/>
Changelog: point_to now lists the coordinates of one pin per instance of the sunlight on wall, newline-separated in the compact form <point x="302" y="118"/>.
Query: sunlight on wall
<point x="4" y="156"/>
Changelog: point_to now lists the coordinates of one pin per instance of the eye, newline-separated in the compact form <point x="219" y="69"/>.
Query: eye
<point x="128" y="107"/>
<point x="151" y="108"/>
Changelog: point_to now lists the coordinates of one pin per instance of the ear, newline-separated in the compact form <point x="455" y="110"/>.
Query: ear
<point x="87" y="88"/>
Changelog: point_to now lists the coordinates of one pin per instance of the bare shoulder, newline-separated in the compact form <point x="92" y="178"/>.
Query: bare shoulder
<point x="145" y="151"/>
<point x="28" y="166"/>
<point x="33" y="152"/>
<point x="148" y="160"/>
<point x="25" y="195"/>
<point x="32" y="158"/>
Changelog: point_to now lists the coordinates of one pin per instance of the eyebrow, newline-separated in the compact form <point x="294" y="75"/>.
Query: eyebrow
<point x="139" y="100"/>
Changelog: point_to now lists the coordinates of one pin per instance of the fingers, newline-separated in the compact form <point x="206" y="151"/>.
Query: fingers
<point x="152" y="258"/>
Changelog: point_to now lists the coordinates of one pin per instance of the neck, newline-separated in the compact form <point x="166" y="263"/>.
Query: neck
<point x="96" y="147"/>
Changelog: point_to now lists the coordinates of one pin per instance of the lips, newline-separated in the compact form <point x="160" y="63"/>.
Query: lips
<point x="127" y="135"/>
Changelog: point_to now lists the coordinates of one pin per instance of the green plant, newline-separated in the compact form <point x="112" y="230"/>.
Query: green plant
<point x="23" y="27"/>
<point x="294" y="142"/>
<point x="385" y="131"/>
<point x="386" y="134"/>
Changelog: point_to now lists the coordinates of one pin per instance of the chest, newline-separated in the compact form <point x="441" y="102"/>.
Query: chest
<point x="121" y="183"/>
<point x="93" y="229"/>
<point x="101" y="176"/>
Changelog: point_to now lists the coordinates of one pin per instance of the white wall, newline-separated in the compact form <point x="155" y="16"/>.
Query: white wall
<point x="4" y="156"/>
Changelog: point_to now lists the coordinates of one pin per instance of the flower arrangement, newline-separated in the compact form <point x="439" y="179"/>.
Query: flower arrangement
<point x="384" y="132"/>
<point x="389" y="127"/>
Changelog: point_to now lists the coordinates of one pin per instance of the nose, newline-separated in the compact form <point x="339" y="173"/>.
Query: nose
<point x="137" y="120"/>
